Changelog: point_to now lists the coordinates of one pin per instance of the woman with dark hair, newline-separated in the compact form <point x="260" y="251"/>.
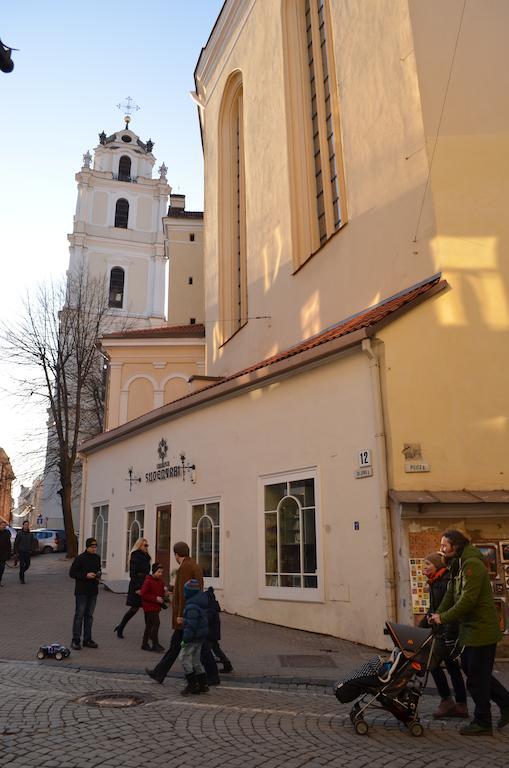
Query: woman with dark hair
<point x="139" y="567"/>
<point x="438" y="575"/>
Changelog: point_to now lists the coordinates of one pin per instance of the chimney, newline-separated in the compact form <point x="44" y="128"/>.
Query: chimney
<point x="178" y="202"/>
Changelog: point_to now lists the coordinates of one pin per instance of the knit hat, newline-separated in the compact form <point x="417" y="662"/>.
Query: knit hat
<point x="437" y="560"/>
<point x="156" y="567"/>
<point x="191" y="587"/>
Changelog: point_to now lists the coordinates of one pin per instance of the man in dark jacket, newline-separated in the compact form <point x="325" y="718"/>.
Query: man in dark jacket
<point x="188" y="569"/>
<point x="86" y="570"/>
<point x="5" y="547"/>
<point x="469" y="601"/>
<point x="24" y="544"/>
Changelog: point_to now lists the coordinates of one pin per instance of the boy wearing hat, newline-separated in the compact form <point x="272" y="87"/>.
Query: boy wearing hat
<point x="86" y="571"/>
<point x="195" y="631"/>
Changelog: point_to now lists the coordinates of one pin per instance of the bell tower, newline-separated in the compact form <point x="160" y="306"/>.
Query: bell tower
<point x="118" y="231"/>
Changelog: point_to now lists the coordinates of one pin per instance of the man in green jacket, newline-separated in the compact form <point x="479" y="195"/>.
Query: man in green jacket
<point x="469" y="601"/>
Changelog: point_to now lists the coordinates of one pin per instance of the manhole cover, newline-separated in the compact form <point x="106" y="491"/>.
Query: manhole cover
<point x="307" y="661"/>
<point x="116" y="699"/>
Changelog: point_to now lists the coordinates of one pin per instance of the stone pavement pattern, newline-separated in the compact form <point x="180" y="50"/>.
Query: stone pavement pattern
<point x="257" y="717"/>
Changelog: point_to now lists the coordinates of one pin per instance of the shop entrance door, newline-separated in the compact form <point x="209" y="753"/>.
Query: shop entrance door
<point x="163" y="543"/>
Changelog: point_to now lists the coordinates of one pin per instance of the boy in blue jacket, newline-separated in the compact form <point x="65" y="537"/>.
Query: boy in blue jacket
<point x="195" y="631"/>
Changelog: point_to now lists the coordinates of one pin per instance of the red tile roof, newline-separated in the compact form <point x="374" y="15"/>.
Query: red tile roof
<point x="195" y="330"/>
<point x="377" y="315"/>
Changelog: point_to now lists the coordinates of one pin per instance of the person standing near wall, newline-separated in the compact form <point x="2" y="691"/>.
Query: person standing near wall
<point x="469" y="601"/>
<point x="5" y="547"/>
<point x="23" y="545"/>
<point x="139" y="568"/>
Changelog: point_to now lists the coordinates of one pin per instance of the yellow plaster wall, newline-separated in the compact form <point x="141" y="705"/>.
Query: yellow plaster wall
<point x="446" y="373"/>
<point x="373" y="255"/>
<point x="185" y="257"/>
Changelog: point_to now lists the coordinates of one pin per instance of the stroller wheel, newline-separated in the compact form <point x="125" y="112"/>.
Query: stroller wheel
<point x="361" y="727"/>
<point x="416" y="729"/>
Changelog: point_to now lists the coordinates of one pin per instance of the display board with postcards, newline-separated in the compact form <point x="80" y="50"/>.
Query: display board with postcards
<point x="418" y="587"/>
<point x="496" y="560"/>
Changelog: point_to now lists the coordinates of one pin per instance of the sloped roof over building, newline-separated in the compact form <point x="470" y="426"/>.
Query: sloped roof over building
<point x="194" y="330"/>
<point x="344" y="335"/>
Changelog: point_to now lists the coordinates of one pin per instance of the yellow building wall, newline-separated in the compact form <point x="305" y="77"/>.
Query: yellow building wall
<point x="446" y="373"/>
<point x="147" y="376"/>
<point x="372" y="256"/>
<point x="185" y="258"/>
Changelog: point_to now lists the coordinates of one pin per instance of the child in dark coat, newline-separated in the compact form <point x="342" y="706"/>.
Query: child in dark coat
<point x="214" y="610"/>
<point x="152" y="600"/>
<point x="196" y="627"/>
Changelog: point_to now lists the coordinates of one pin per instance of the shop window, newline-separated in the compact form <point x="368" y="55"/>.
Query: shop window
<point x="121" y="213"/>
<point x="205" y="537"/>
<point x="116" y="292"/>
<point x="290" y="534"/>
<point x="135" y="528"/>
<point x="100" y="530"/>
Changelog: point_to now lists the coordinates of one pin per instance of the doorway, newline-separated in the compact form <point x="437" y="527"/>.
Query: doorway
<point x="163" y="543"/>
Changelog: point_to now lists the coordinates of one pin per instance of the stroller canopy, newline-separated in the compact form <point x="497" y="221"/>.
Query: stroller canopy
<point x="408" y="639"/>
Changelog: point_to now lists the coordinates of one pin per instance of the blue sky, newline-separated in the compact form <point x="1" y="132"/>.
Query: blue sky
<point x="76" y="62"/>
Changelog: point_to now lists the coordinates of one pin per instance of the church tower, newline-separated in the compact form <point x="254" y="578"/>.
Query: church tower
<point x="118" y="232"/>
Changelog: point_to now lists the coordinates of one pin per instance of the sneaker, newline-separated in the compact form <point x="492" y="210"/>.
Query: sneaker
<point x="146" y="647"/>
<point x="227" y="667"/>
<point x="89" y="644"/>
<point x="504" y="717"/>
<point x="76" y="645"/>
<point x="476" y="729"/>
<point x="152" y="674"/>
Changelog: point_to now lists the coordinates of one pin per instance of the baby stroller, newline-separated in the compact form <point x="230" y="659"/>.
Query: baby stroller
<point x="394" y="685"/>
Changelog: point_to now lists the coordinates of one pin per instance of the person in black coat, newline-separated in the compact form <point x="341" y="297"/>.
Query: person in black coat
<point x="86" y="571"/>
<point x="5" y="547"/>
<point x="139" y="568"/>
<point x="214" y="636"/>
<point x="24" y="544"/>
<point x="438" y="576"/>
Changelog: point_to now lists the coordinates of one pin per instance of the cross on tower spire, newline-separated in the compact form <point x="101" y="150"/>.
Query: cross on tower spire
<point x="128" y="108"/>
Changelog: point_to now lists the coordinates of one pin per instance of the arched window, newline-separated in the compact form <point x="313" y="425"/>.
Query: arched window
<point x="116" y="294"/>
<point x="121" y="213"/>
<point x="317" y="188"/>
<point x="135" y="526"/>
<point x="232" y="197"/>
<point x="124" y="168"/>
<point x="205" y="538"/>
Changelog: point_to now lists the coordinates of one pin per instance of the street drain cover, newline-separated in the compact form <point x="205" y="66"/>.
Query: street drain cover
<point x="306" y="661"/>
<point x="115" y="699"/>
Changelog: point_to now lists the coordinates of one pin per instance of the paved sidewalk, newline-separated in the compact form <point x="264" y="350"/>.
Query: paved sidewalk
<point x="41" y="612"/>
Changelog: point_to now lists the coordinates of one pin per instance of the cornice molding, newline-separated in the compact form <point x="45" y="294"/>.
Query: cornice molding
<point x="220" y="43"/>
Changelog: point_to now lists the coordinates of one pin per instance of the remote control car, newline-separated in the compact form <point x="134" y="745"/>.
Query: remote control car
<point x="55" y="649"/>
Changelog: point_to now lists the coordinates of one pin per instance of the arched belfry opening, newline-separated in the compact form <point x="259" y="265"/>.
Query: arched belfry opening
<point x="121" y="213"/>
<point x="124" y="168"/>
<point x="116" y="292"/>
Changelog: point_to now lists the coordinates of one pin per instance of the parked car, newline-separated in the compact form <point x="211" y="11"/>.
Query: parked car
<point x="48" y="541"/>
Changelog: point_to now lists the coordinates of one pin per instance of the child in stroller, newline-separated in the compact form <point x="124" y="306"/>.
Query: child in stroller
<point x="395" y="684"/>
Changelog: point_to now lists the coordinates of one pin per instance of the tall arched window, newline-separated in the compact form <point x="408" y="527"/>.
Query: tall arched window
<point x="232" y="206"/>
<point x="116" y="293"/>
<point x="121" y="213"/>
<point x="124" y="168"/>
<point x="317" y="187"/>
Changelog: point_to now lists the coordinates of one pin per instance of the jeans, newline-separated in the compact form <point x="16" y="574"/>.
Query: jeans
<point x="84" y="616"/>
<point x="207" y="659"/>
<point x="457" y="681"/>
<point x="190" y="658"/>
<point x="24" y="564"/>
<point x="482" y="686"/>
<point x="2" y="569"/>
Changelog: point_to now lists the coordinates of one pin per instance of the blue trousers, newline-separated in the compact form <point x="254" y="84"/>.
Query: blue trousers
<point x="83" y="617"/>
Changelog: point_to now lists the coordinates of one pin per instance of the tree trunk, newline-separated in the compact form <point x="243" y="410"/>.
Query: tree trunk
<point x="66" y="497"/>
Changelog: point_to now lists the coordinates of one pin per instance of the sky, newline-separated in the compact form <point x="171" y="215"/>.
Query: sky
<point x="76" y="62"/>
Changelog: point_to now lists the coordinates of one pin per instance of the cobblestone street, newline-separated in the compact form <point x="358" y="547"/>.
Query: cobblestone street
<point x="250" y="720"/>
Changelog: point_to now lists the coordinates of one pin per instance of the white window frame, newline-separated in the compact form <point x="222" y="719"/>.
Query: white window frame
<point x="294" y="594"/>
<point x="209" y="581"/>
<point x="136" y="508"/>
<point x="95" y="505"/>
